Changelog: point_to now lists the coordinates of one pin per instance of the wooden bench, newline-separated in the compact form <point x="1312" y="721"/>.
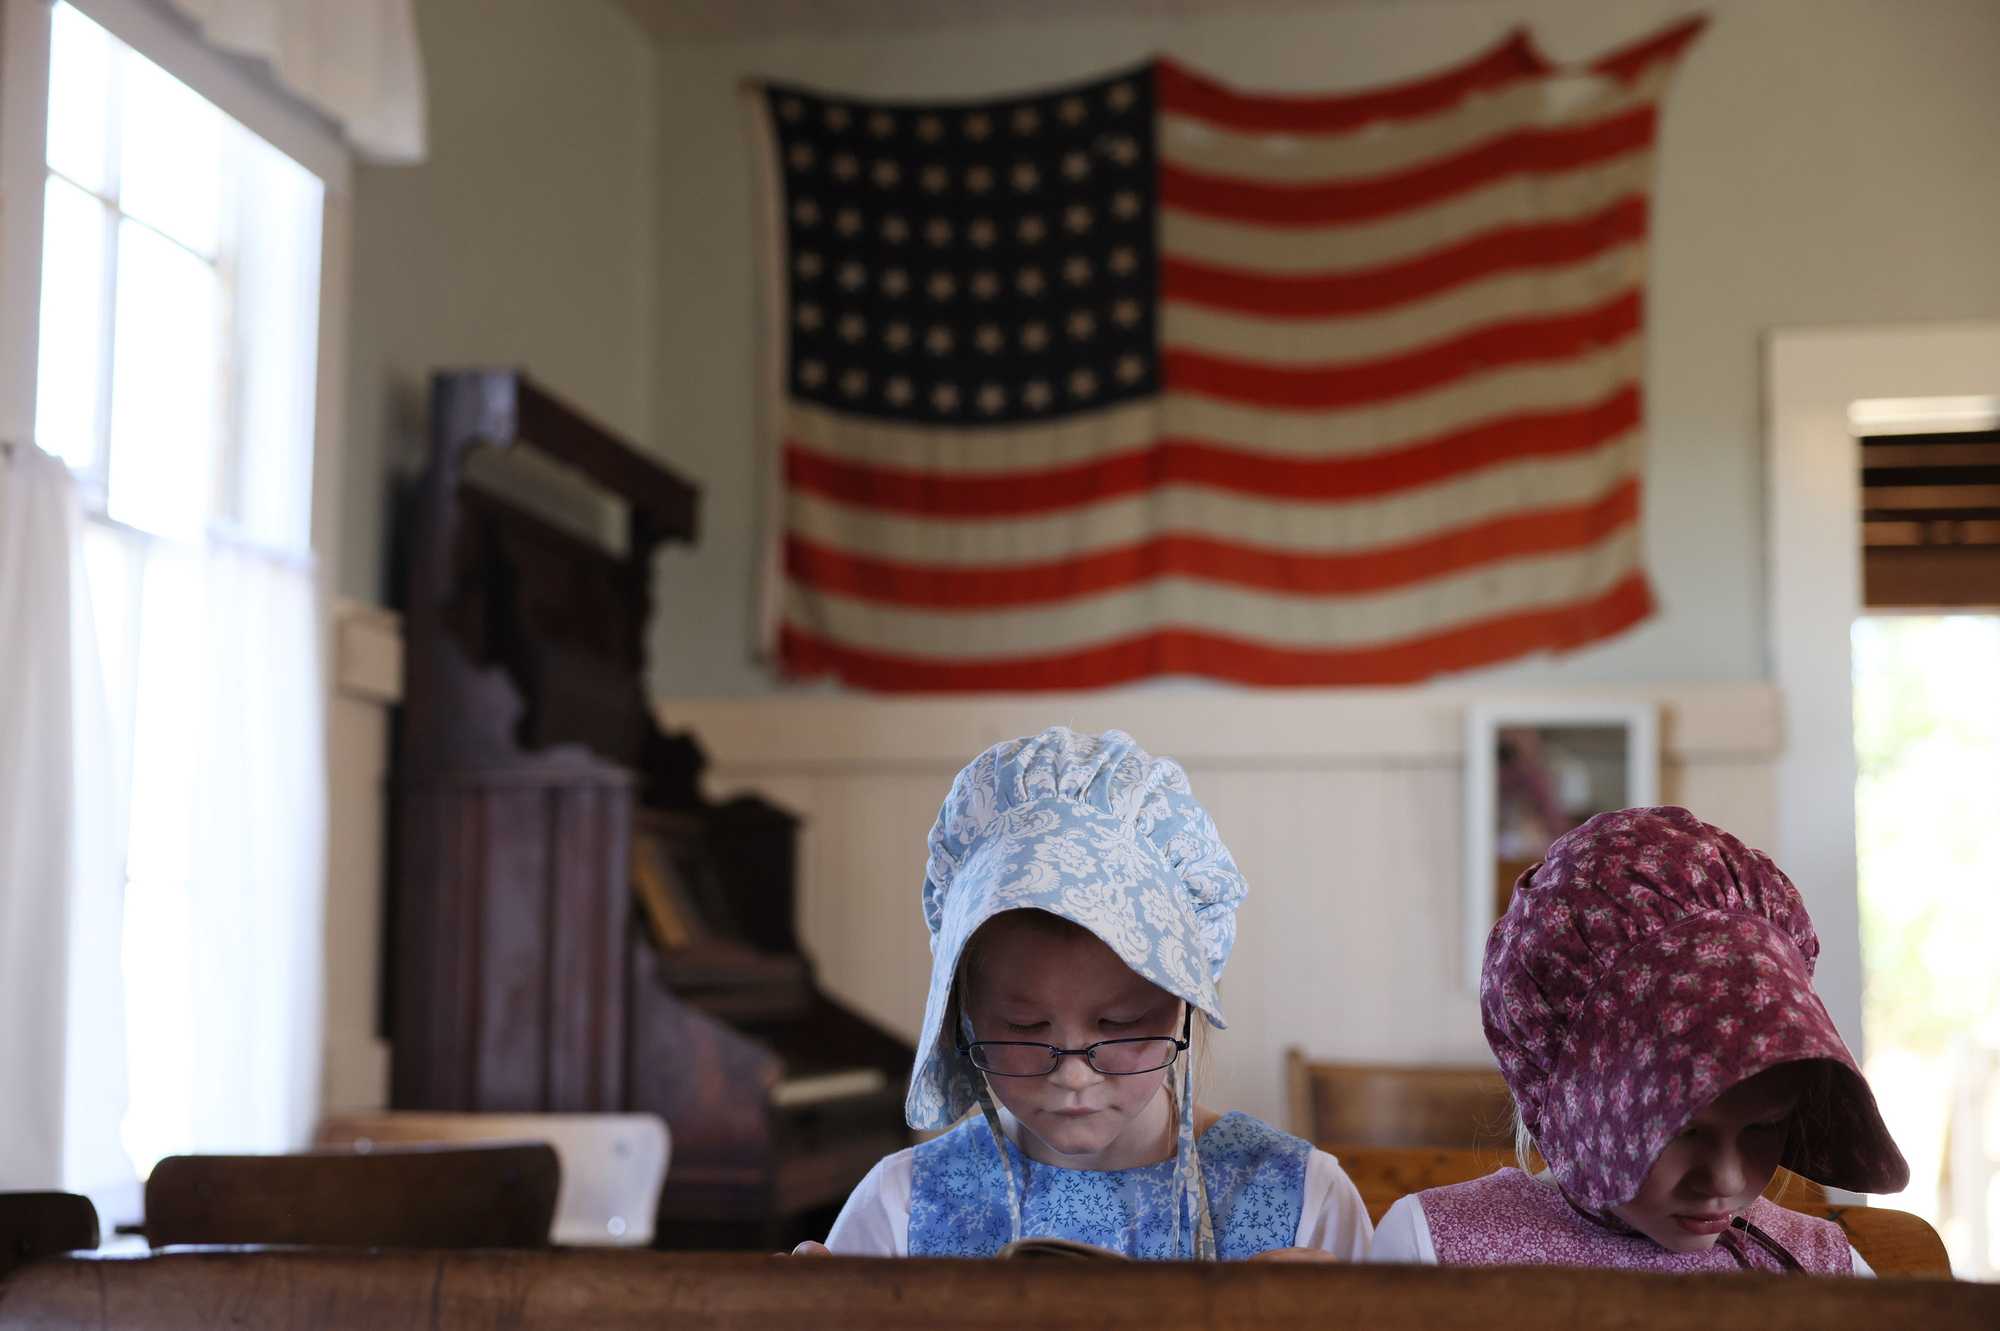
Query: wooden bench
<point x="612" y="1290"/>
<point x="1892" y="1242"/>
<point x="1384" y="1173"/>
<point x="1393" y="1105"/>
<point x="411" y="1197"/>
<point x="1398" y="1130"/>
<point x="40" y="1224"/>
<point x="612" y="1164"/>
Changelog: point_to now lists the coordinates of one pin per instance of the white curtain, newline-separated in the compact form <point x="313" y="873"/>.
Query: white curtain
<point x="355" y="61"/>
<point x="62" y="1045"/>
<point x="224" y="905"/>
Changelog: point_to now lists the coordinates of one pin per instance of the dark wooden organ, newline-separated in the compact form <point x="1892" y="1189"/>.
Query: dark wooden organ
<point x="533" y="790"/>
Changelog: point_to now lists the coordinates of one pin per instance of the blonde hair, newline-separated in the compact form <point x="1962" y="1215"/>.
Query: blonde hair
<point x="1052" y="925"/>
<point x="1524" y="1143"/>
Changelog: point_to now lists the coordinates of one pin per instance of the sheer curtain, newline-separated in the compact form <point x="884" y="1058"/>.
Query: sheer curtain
<point x="224" y="910"/>
<point x="61" y="811"/>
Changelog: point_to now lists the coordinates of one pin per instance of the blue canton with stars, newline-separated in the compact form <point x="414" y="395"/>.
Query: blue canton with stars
<point x="974" y="263"/>
<point x="1256" y="1177"/>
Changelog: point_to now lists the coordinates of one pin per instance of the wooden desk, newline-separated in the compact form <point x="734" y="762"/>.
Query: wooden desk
<point x="610" y="1290"/>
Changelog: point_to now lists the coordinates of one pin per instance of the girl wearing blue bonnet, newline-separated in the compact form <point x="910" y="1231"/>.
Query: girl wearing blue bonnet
<point x="1081" y="906"/>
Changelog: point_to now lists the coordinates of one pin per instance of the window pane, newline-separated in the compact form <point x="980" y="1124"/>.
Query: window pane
<point x="170" y="155"/>
<point x="69" y="386"/>
<point x="276" y="338"/>
<point x="80" y="55"/>
<point x="114" y="561"/>
<point x="168" y="366"/>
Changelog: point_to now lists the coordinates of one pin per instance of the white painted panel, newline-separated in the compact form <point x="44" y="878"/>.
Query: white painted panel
<point x="1343" y="810"/>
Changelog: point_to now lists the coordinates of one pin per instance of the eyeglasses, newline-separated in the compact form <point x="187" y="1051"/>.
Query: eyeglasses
<point x="1124" y="1057"/>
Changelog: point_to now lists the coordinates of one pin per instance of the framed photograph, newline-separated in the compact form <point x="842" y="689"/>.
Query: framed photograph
<point x="1533" y="771"/>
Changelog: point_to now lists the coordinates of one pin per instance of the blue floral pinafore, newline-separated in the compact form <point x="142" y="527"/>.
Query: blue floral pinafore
<point x="1255" y="1174"/>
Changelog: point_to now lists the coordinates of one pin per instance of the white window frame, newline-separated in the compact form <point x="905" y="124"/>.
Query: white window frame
<point x="1812" y="379"/>
<point x="235" y="87"/>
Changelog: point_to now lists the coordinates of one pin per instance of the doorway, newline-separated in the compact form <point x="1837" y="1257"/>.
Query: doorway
<point x="1893" y="721"/>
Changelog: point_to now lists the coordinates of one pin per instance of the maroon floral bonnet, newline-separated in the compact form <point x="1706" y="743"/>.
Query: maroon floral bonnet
<point x="1647" y="965"/>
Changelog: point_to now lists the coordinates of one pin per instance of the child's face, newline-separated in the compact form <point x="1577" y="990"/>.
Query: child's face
<point x="1719" y="1165"/>
<point x="1064" y="987"/>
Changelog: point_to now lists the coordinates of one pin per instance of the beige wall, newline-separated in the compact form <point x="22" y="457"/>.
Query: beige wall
<point x="1822" y="161"/>
<point x="586" y="213"/>
<point x="1342" y="808"/>
<point x="528" y="237"/>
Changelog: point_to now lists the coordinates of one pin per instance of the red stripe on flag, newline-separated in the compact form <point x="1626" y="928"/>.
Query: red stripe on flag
<point x="1191" y="652"/>
<point x="1628" y="63"/>
<point x="1353" y="384"/>
<point x="1516" y="536"/>
<point x="1364" y="290"/>
<point x="1180" y="90"/>
<point x="1543" y="434"/>
<point x="1538" y="151"/>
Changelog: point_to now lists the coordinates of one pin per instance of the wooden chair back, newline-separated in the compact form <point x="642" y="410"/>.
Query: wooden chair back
<point x="39" y="1224"/>
<point x="610" y="1290"/>
<point x="1892" y="1242"/>
<point x="1383" y="1174"/>
<point x="1383" y="1105"/>
<point x="395" y="1197"/>
<point x="612" y="1164"/>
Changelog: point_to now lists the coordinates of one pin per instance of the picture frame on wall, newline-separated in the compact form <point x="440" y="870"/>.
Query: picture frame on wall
<point x="1533" y="771"/>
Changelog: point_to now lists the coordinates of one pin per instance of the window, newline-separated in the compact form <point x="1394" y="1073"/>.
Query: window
<point x="174" y="352"/>
<point x="179" y="305"/>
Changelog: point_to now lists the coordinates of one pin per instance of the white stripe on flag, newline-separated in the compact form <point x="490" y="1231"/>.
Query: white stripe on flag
<point x="1563" y="197"/>
<point x="1302" y="527"/>
<point x="1572" y="288"/>
<point x="1488" y="592"/>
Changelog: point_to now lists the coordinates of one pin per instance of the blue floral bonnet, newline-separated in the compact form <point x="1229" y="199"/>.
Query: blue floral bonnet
<point x="1093" y="829"/>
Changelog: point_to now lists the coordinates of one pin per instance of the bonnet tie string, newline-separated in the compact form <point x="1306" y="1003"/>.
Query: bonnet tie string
<point x="992" y="1117"/>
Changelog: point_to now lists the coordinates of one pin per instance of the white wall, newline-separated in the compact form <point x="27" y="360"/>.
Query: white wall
<point x="1822" y="161"/>
<point x="528" y="237"/>
<point x="1342" y="808"/>
<point x="586" y="213"/>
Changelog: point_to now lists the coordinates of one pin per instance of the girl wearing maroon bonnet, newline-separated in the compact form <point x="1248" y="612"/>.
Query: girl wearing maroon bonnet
<point x="1648" y="995"/>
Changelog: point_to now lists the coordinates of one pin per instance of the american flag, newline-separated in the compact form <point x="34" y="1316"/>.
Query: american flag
<point x="1150" y="376"/>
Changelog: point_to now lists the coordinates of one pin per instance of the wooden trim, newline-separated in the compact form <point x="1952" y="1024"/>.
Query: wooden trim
<point x="1920" y="498"/>
<point x="367" y="653"/>
<point x="1298" y="1093"/>
<point x="1905" y="454"/>
<point x="1931" y="531"/>
<point x="1923" y="576"/>
<point x="505" y="408"/>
